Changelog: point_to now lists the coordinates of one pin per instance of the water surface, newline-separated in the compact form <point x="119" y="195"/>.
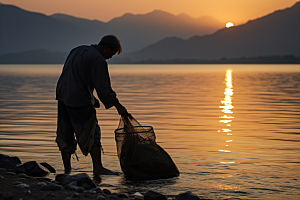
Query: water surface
<point x="232" y="133"/>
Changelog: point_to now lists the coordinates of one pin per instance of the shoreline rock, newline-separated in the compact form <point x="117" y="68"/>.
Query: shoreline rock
<point x="21" y="183"/>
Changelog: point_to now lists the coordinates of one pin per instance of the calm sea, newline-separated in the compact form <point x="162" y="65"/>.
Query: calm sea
<point x="232" y="130"/>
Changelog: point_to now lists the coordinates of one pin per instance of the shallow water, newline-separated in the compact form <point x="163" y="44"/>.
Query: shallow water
<point x="254" y="153"/>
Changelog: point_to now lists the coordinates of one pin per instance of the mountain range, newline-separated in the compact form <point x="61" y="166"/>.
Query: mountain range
<point x="22" y="30"/>
<point x="156" y="37"/>
<point x="275" y="34"/>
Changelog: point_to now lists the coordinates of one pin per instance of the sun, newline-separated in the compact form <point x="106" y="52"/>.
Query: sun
<point x="229" y="24"/>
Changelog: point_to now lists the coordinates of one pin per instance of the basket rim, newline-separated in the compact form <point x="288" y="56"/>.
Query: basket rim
<point x="150" y="128"/>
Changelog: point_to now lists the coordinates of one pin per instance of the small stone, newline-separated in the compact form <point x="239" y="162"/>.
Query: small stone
<point x="123" y="195"/>
<point x="31" y="168"/>
<point x="100" y="197"/>
<point x="187" y="196"/>
<point x="22" y="186"/>
<point x="49" y="167"/>
<point x="137" y="194"/>
<point x="40" y="184"/>
<point x="44" y="179"/>
<point x="82" y="180"/>
<point x="7" y="162"/>
<point x="106" y="191"/>
<point x="10" y="173"/>
<point x="92" y="192"/>
<point x="21" y="175"/>
<point x="50" y="195"/>
<point x="150" y="195"/>
<point x="56" y="182"/>
<point x="21" y="179"/>
<point x="61" y="177"/>
<point x="51" y="187"/>
<point x="17" y="183"/>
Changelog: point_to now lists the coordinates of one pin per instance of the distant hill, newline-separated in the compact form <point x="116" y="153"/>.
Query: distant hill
<point x="26" y="31"/>
<point x="275" y="34"/>
<point x="39" y="56"/>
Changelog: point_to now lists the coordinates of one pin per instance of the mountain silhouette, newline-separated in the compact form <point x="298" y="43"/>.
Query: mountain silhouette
<point x="275" y="34"/>
<point x="22" y="30"/>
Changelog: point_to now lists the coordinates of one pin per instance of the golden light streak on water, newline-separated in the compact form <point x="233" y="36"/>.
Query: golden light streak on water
<point x="227" y="110"/>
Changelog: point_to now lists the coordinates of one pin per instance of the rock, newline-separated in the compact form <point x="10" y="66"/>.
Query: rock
<point x="51" y="187"/>
<point x="82" y="180"/>
<point x="56" y="182"/>
<point x="137" y="194"/>
<point x="100" y="197"/>
<point x="17" y="183"/>
<point x="9" y="173"/>
<point x="7" y="162"/>
<point x="106" y="191"/>
<point x="94" y="191"/>
<point x="40" y="184"/>
<point x="150" y="195"/>
<point x="61" y="177"/>
<point x="73" y="186"/>
<point x="123" y="195"/>
<point x="187" y="196"/>
<point x="21" y="175"/>
<point x="44" y="179"/>
<point x="21" y="186"/>
<point x="31" y="168"/>
<point x="49" y="167"/>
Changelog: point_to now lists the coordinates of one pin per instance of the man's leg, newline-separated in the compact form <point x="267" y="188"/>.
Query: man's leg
<point x="97" y="162"/>
<point x="96" y="155"/>
<point x="65" y="136"/>
<point x="66" y="157"/>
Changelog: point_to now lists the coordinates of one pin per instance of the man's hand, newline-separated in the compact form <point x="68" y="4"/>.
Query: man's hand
<point x="121" y="109"/>
<point x="96" y="103"/>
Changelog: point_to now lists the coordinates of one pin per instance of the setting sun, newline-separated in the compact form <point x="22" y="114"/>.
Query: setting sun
<point x="229" y="24"/>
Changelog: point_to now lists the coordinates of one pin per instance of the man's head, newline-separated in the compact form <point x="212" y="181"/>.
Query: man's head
<point x="110" y="46"/>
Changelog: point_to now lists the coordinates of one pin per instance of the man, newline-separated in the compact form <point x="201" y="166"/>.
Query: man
<point x="85" y="69"/>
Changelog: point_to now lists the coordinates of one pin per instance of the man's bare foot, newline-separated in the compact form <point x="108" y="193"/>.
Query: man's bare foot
<point x="97" y="179"/>
<point x="105" y="171"/>
<point x="68" y="171"/>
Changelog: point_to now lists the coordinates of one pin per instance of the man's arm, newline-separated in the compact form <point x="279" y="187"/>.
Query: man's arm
<point x="120" y="108"/>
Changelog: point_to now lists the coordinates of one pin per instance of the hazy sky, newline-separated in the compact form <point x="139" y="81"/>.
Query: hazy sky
<point x="237" y="11"/>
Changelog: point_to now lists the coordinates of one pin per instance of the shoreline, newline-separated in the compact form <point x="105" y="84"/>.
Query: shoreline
<point x="21" y="186"/>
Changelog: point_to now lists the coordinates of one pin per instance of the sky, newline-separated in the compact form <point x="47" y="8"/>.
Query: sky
<point x="236" y="11"/>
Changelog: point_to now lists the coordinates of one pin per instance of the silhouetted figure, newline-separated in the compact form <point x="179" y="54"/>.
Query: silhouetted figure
<point x="85" y="69"/>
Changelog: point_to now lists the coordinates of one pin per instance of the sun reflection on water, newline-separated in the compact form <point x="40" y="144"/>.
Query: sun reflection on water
<point x="227" y="117"/>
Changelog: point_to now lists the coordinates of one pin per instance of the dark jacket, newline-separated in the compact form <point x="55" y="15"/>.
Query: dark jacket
<point x="85" y="69"/>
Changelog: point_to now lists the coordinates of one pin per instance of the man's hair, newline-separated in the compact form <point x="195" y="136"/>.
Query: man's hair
<point x="112" y="41"/>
